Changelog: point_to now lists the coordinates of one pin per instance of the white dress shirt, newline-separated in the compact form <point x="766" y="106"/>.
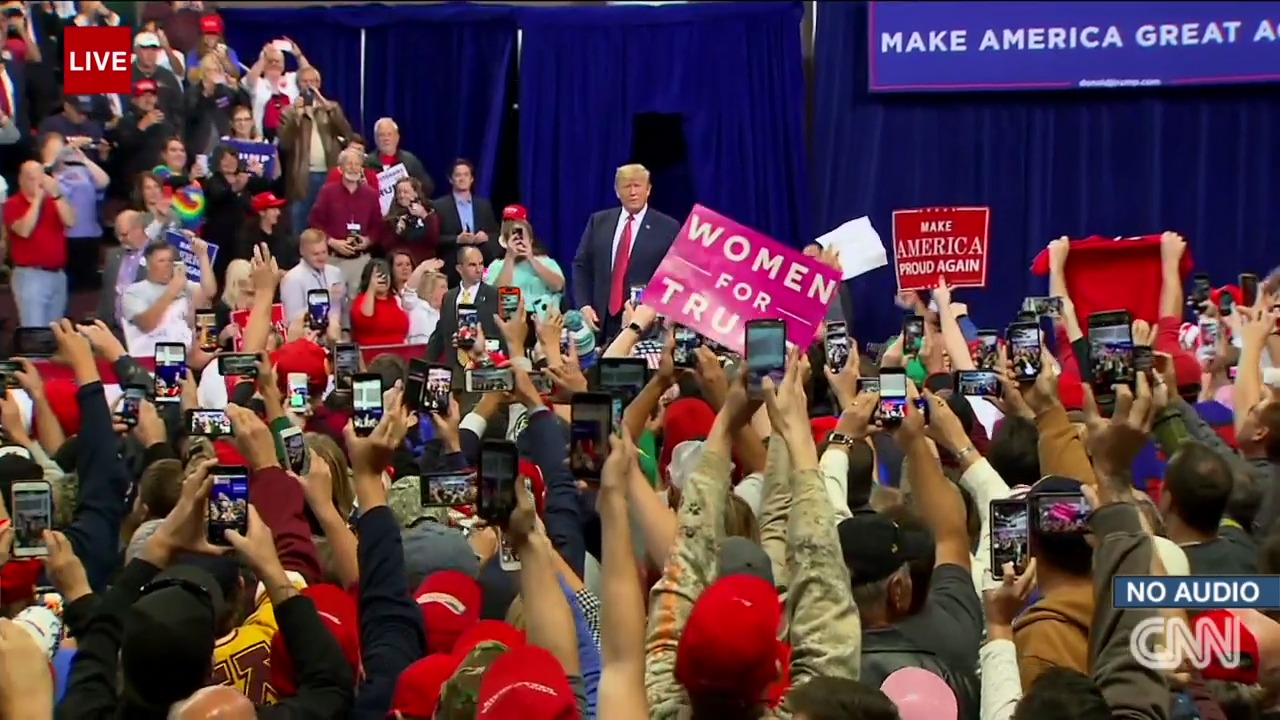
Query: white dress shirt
<point x="422" y="317"/>
<point x="464" y="299"/>
<point x="617" y="233"/>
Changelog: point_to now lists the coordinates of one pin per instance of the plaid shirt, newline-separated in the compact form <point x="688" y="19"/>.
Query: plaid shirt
<point x="590" y="605"/>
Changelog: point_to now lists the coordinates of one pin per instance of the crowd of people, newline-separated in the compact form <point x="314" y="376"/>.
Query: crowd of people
<point x="725" y="553"/>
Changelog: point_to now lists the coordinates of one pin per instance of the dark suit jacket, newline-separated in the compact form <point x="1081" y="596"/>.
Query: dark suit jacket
<point x="593" y="263"/>
<point x="451" y="228"/>
<point x="440" y="344"/>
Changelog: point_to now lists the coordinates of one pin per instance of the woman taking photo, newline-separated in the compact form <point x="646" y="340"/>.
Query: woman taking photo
<point x="415" y="225"/>
<point x="82" y="183"/>
<point x="237" y="294"/>
<point x="528" y="267"/>
<point x="157" y="208"/>
<point x="376" y="315"/>
<point x="421" y="290"/>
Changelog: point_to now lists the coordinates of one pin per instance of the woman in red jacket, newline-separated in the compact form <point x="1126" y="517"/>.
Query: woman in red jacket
<point x="376" y="315"/>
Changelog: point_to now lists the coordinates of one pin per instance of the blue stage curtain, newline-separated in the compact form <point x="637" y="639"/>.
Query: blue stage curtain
<point x="441" y="71"/>
<point x="329" y="37"/>
<point x="733" y="71"/>
<point x="1200" y="162"/>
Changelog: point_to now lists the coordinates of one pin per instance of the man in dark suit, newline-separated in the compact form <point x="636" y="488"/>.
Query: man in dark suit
<point x="471" y="291"/>
<point x="122" y="268"/>
<point x="620" y="247"/>
<point x="466" y="220"/>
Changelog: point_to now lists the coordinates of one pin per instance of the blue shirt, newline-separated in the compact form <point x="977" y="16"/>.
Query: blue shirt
<point x="466" y="213"/>
<point x="77" y="187"/>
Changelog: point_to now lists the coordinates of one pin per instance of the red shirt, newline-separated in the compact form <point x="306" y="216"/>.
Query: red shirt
<point x="47" y="247"/>
<point x="370" y="176"/>
<point x="389" y="324"/>
<point x="388" y="160"/>
<point x="336" y="207"/>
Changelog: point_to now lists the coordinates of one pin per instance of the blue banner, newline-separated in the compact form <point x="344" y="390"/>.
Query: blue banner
<point x="250" y="152"/>
<point x="972" y="46"/>
<point x="187" y="254"/>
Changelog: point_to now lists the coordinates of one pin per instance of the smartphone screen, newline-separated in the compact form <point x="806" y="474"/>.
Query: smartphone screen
<point x="508" y="557"/>
<point x="836" y="344"/>
<point x="468" y="318"/>
<point x="635" y="295"/>
<point x="1110" y="350"/>
<point x="508" y="301"/>
<point x="415" y="383"/>
<point x="1060" y="513"/>
<point x="499" y="464"/>
<point x="623" y="376"/>
<point x="1144" y="359"/>
<point x="366" y="402"/>
<point x="766" y="343"/>
<point x="1200" y="289"/>
<point x="1009" y="536"/>
<point x="542" y="382"/>
<point x="130" y="404"/>
<point x="346" y="363"/>
<point x="566" y="340"/>
<point x="1208" y="331"/>
<point x="685" y="342"/>
<point x="1248" y="289"/>
<point x="32" y="508"/>
<point x="868" y="384"/>
<point x="171" y="369"/>
<point x="9" y="370"/>
<point x="1024" y="350"/>
<point x="318" y="309"/>
<point x="590" y="418"/>
<point x="893" y="396"/>
<point x="435" y="395"/>
<point x="228" y="502"/>
<point x="296" y="453"/>
<point x="1042" y="306"/>
<point x="490" y="379"/>
<point x="242" y="365"/>
<point x="1226" y="303"/>
<point x="32" y="342"/>
<point x="207" y="330"/>
<point x="912" y="334"/>
<point x="986" y="350"/>
<point x="299" y="397"/>
<point x="978" y="383"/>
<point x="448" y="489"/>
<point x="202" y="422"/>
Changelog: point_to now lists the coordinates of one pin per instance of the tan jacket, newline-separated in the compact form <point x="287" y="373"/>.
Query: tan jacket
<point x="295" y="142"/>
<point x="825" y="631"/>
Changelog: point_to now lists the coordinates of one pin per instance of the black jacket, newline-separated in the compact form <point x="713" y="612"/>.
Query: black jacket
<point x="885" y="651"/>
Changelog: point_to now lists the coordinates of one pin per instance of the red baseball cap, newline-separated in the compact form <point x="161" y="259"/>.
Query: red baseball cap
<point x="515" y="212"/>
<point x="485" y="630"/>
<point x="730" y="641"/>
<point x="265" y="200"/>
<point x="526" y="682"/>
<point x="418" y="688"/>
<point x="530" y="469"/>
<point x="211" y="25"/>
<point x="450" y="603"/>
<point x="339" y="614"/>
<point x="1247" y="670"/>
<point x="144" y="87"/>
<point x="302" y="357"/>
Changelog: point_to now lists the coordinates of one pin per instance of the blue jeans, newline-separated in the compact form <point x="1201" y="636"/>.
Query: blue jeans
<point x="300" y="209"/>
<point x="41" y="296"/>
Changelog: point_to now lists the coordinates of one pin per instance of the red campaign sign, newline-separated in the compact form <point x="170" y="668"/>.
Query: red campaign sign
<point x="949" y="242"/>
<point x="240" y="318"/>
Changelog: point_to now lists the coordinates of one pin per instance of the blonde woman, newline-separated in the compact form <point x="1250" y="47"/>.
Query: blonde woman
<point x="421" y="290"/>
<point x="528" y="267"/>
<point x="237" y="294"/>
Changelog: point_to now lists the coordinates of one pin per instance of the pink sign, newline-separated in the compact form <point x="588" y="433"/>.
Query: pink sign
<point x="719" y="274"/>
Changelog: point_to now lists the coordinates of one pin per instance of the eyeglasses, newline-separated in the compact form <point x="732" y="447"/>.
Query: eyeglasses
<point x="199" y="591"/>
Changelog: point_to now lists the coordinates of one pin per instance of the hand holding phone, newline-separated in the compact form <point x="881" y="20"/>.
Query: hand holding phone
<point x="228" y="503"/>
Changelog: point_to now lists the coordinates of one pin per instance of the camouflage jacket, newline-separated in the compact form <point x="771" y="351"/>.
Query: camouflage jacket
<point x="798" y="532"/>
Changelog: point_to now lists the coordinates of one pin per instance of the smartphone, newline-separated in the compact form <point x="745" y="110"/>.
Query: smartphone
<point x="766" y="343"/>
<point x="32" y="342"/>
<point x="346" y="363"/>
<point x="9" y="370"/>
<point x="298" y="399"/>
<point x="366" y="402"/>
<point x="283" y="46"/>
<point x="171" y="370"/>
<point x="415" y="383"/>
<point x="207" y="331"/>
<point x="508" y="558"/>
<point x="1110" y="349"/>
<point x="893" y="396"/>
<point x="1060" y="513"/>
<point x="228" y="503"/>
<point x="1201" y="288"/>
<point x="912" y="334"/>
<point x="130" y="404"/>
<point x="318" y="309"/>
<point x="623" y="376"/>
<point x="868" y="384"/>
<point x="438" y="388"/>
<point x="1226" y="303"/>
<point x="635" y="295"/>
<point x="499" y="466"/>
<point x="685" y="343"/>
<point x="566" y="340"/>
<point x="468" y="318"/>
<point x="1024" y="350"/>
<point x="978" y="383"/>
<point x="207" y="422"/>
<point x="1010" y="536"/>
<point x="242" y="365"/>
<point x="296" y="452"/>
<point x="31" y="507"/>
<point x="836" y="344"/>
<point x="448" y="489"/>
<point x="590" y="420"/>
<point x="489" y="379"/>
<point x="508" y="301"/>
<point x="1248" y="289"/>
<point x="1209" y="329"/>
<point x="1144" y="359"/>
<point x="986" y="351"/>
<point x="1042" y="306"/>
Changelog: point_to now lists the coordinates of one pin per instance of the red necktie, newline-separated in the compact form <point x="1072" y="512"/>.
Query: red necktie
<point x="617" y="289"/>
